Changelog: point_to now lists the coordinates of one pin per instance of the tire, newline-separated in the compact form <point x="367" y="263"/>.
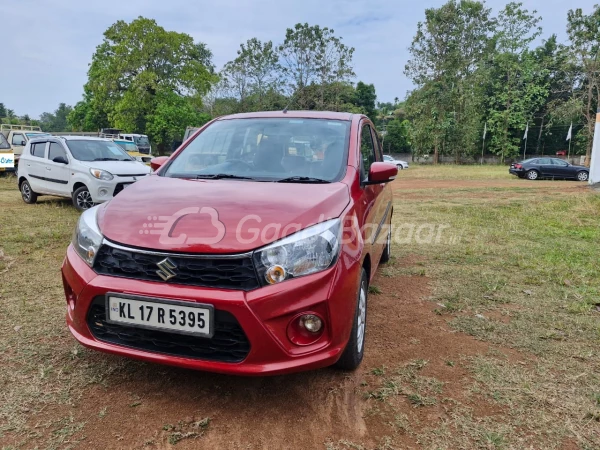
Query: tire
<point x="82" y="199"/>
<point x="583" y="175"/>
<point x="400" y="167"/>
<point x="532" y="175"/>
<point x="387" y="252"/>
<point x="355" y="349"/>
<point x="27" y="193"/>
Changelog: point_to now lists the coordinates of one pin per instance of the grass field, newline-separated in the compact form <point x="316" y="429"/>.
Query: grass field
<point x="514" y="284"/>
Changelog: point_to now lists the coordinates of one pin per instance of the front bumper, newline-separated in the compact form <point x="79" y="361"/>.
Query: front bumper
<point x="264" y="315"/>
<point x="103" y="191"/>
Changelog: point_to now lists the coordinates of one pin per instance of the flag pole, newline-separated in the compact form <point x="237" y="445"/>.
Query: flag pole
<point x="483" y="147"/>
<point x="526" y="139"/>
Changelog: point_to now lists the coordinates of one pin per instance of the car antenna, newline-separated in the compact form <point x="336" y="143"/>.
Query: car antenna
<point x="285" y="110"/>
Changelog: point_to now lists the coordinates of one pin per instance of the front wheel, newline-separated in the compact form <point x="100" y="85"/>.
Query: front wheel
<point x="400" y="167"/>
<point x="533" y="175"/>
<point x="582" y="176"/>
<point x="82" y="199"/>
<point x="27" y="193"/>
<point x="354" y="351"/>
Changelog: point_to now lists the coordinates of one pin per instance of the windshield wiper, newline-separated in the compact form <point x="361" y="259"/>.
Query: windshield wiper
<point x="107" y="159"/>
<point x="219" y="176"/>
<point x="298" y="179"/>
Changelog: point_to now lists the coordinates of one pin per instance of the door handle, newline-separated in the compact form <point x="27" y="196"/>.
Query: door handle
<point x="48" y="168"/>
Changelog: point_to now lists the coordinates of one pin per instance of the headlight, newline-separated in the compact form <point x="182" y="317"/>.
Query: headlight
<point x="87" y="237"/>
<point x="101" y="174"/>
<point x="308" y="251"/>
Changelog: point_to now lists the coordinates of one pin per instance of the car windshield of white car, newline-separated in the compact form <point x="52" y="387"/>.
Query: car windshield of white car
<point x="90" y="150"/>
<point x="142" y="141"/>
<point x="294" y="150"/>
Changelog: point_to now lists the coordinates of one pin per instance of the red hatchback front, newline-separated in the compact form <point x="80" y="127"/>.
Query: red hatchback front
<point x="249" y="251"/>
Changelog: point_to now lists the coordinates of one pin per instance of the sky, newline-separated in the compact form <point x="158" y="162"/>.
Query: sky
<point x="48" y="44"/>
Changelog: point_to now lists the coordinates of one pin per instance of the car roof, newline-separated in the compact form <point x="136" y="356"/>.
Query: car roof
<point x="69" y="138"/>
<point x="330" y="115"/>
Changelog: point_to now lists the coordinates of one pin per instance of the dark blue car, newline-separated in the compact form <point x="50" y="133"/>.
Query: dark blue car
<point x="536" y="168"/>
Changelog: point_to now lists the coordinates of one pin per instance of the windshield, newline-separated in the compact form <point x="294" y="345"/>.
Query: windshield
<point x="142" y="141"/>
<point x="3" y="142"/>
<point x="91" y="150"/>
<point x="294" y="150"/>
<point x="35" y="135"/>
<point x="388" y="158"/>
<point x="127" y="146"/>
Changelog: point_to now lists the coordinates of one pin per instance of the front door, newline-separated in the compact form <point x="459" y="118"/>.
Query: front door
<point x="17" y="143"/>
<point x="374" y="207"/>
<point x="561" y="168"/>
<point x="57" y="174"/>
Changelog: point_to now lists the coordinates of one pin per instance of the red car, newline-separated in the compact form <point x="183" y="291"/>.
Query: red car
<point x="242" y="253"/>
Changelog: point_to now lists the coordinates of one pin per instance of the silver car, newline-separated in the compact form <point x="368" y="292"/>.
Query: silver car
<point x="399" y="163"/>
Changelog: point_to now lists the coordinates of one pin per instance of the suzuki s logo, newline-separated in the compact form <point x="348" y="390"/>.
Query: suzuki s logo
<point x="166" y="267"/>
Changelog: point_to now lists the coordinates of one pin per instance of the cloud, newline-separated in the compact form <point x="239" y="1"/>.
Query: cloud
<point x="50" y="44"/>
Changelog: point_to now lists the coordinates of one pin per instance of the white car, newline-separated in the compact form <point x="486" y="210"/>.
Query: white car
<point x="401" y="164"/>
<point x="88" y="170"/>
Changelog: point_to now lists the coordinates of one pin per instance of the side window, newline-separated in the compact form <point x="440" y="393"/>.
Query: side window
<point x="559" y="162"/>
<point x="378" y="149"/>
<point x="17" y="139"/>
<point x="38" y="149"/>
<point x="545" y="161"/>
<point x="367" y="151"/>
<point x="56" y="150"/>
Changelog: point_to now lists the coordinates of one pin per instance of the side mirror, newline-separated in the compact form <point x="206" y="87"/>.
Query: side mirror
<point x="156" y="163"/>
<point x="23" y="143"/>
<point x="382" y="172"/>
<point x="60" y="160"/>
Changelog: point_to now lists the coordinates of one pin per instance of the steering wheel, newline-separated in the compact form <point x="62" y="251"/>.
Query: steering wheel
<point x="238" y="163"/>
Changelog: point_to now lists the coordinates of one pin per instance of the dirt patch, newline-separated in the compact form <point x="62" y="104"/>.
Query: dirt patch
<point x="156" y="407"/>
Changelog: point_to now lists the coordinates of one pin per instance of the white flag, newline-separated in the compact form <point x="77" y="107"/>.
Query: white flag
<point x="570" y="135"/>
<point x="526" y="132"/>
<point x="485" y="131"/>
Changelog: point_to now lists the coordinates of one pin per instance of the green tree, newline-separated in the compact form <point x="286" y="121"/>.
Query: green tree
<point x="314" y="55"/>
<point x="132" y="65"/>
<point x="365" y="97"/>
<point x="397" y="136"/>
<point x="445" y="65"/>
<point x="2" y="111"/>
<point x="584" y="34"/>
<point x="57" y="121"/>
<point x="88" y="115"/>
<point x="517" y="86"/>
<point x="169" y="119"/>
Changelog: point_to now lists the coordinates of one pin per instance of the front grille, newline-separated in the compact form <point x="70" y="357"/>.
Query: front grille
<point x="227" y="273"/>
<point x="120" y="187"/>
<point x="228" y="344"/>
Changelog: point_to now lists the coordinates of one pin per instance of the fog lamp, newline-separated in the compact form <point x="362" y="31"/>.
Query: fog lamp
<point x="311" y="323"/>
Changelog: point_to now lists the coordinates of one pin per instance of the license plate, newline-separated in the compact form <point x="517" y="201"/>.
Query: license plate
<point x="158" y="314"/>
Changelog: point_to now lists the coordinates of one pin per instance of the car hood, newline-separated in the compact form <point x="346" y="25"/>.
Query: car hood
<point x="215" y="216"/>
<point x="119" y="168"/>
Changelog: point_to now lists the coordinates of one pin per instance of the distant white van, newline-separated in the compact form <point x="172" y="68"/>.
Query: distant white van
<point x="141" y="140"/>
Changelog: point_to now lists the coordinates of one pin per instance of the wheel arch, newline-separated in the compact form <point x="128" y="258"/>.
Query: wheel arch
<point x="78" y="185"/>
